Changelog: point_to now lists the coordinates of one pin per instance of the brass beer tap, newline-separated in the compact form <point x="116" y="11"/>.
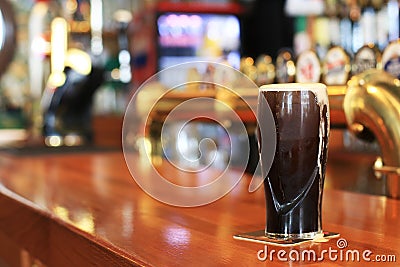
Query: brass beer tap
<point x="372" y="109"/>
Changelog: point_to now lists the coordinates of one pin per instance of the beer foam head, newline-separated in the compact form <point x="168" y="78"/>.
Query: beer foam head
<point x="319" y="89"/>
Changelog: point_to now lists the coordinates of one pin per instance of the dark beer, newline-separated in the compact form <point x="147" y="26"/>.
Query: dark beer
<point x="294" y="183"/>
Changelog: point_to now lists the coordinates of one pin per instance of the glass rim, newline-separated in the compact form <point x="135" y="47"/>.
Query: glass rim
<point x="292" y="87"/>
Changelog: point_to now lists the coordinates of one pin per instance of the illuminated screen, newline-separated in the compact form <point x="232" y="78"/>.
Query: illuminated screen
<point x="187" y="37"/>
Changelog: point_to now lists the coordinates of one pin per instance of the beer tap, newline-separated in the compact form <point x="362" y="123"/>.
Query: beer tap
<point x="67" y="99"/>
<point x="371" y="106"/>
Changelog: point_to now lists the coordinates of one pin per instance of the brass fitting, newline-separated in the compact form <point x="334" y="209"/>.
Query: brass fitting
<point x="372" y="110"/>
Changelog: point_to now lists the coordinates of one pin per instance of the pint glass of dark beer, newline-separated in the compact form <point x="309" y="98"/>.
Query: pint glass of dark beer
<point x="294" y="182"/>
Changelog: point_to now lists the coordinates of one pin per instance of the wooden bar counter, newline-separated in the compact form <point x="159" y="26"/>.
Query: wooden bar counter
<point x="84" y="209"/>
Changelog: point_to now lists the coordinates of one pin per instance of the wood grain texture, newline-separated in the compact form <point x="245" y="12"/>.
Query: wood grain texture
<point x="86" y="210"/>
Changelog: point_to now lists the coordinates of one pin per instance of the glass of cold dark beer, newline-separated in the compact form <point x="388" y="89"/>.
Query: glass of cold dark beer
<point x="294" y="183"/>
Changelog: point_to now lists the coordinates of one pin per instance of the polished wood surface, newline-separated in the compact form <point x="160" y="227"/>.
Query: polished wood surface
<point x="85" y="209"/>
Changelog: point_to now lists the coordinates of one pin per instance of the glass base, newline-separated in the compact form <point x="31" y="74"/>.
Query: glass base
<point x="309" y="235"/>
<point x="260" y="237"/>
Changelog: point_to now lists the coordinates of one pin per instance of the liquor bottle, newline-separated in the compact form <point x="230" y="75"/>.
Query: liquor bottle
<point x="368" y="25"/>
<point x="346" y="27"/>
<point x="393" y="19"/>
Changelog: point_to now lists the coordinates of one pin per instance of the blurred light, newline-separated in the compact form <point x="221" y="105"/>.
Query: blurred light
<point x="58" y="42"/>
<point x="79" y="61"/>
<point x="287" y="56"/>
<point x="321" y="27"/>
<point x="97" y="45"/>
<point x="53" y="141"/>
<point x="176" y="31"/>
<point x="183" y="20"/>
<point x="355" y="13"/>
<point x="96" y="22"/>
<point x="56" y="79"/>
<point x="196" y="21"/>
<point x="213" y="30"/>
<point x="372" y="90"/>
<point x="177" y="236"/>
<point x="356" y="127"/>
<point x="125" y="74"/>
<point x="393" y="13"/>
<point x="173" y="20"/>
<point x="233" y="27"/>
<point x="85" y="222"/>
<point x="40" y="46"/>
<point x="115" y="74"/>
<point x="73" y="140"/>
<point x="96" y="15"/>
<point x="304" y="7"/>
<point x="11" y="135"/>
<point x="249" y="61"/>
<point x="358" y="38"/>
<point x="2" y="30"/>
<point x="124" y="57"/>
<point x="144" y="146"/>
<point x="291" y="68"/>
<point x="61" y="212"/>
<point x="179" y="24"/>
<point x="123" y="16"/>
<point x="71" y="6"/>
<point x="127" y="220"/>
<point x="58" y="50"/>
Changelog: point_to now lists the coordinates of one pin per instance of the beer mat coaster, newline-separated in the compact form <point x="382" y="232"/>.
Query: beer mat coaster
<point x="259" y="237"/>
